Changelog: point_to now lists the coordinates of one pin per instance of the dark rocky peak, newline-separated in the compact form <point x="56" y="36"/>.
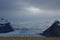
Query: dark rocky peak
<point x="5" y="26"/>
<point x="56" y="22"/>
<point x="53" y="30"/>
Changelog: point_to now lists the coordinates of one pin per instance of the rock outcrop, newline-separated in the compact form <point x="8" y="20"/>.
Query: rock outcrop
<point x="5" y="26"/>
<point x="53" y="31"/>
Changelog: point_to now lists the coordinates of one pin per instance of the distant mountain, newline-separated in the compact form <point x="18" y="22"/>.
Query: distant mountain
<point x="5" y="26"/>
<point x="53" y="31"/>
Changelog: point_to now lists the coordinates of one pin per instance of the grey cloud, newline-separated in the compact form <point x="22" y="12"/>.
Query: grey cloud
<point x="43" y="4"/>
<point x="14" y="11"/>
<point x="16" y="7"/>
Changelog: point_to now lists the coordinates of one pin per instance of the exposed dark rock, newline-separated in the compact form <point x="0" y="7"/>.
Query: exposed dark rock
<point x="5" y="27"/>
<point x="53" y="31"/>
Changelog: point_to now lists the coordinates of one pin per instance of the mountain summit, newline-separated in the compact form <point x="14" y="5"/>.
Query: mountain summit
<point x="53" y="31"/>
<point x="5" y="26"/>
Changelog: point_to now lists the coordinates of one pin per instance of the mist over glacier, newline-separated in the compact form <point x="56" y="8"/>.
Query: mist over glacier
<point x="30" y="14"/>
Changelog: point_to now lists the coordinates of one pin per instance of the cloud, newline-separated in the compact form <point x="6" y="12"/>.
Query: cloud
<point x="30" y="13"/>
<point x="46" y="4"/>
<point x="17" y="8"/>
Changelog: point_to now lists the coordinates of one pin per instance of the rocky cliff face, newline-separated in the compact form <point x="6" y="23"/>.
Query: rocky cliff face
<point x="53" y="31"/>
<point x="5" y="26"/>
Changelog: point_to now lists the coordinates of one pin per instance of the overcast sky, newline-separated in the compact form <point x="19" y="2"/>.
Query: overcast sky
<point x="29" y="9"/>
